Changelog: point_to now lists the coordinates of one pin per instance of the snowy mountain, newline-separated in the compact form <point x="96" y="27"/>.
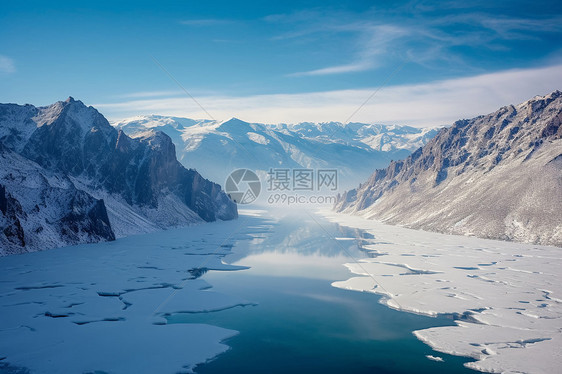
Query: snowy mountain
<point x="354" y="149"/>
<point x="494" y="176"/>
<point x="67" y="176"/>
<point x="41" y="209"/>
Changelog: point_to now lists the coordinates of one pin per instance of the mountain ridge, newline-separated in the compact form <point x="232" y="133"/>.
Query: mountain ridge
<point x="354" y="149"/>
<point x="71" y="149"/>
<point x="496" y="176"/>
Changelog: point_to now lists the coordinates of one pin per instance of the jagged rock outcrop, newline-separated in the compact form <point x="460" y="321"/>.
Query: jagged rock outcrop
<point x="42" y="209"/>
<point x="494" y="176"/>
<point x="105" y="183"/>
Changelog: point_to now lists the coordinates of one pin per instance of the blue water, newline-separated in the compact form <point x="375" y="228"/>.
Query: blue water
<point x="300" y="323"/>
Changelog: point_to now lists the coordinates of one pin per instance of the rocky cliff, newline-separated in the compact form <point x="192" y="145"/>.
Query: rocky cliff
<point x="67" y="176"/>
<point x="494" y="176"/>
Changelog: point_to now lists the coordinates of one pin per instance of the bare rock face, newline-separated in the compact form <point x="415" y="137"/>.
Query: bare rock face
<point x="12" y="230"/>
<point x="41" y="209"/>
<point x="66" y="169"/>
<point x="494" y="176"/>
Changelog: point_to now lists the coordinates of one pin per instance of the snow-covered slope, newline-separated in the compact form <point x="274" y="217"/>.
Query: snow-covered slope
<point x="216" y="148"/>
<point x="504" y="296"/>
<point x="68" y="177"/>
<point x="494" y="176"/>
<point x="42" y="209"/>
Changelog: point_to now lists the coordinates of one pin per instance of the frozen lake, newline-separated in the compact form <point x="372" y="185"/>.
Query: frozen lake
<point x="276" y="292"/>
<point x="301" y="323"/>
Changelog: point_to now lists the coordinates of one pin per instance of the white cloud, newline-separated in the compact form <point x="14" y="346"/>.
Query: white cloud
<point x="7" y="65"/>
<point x="373" y="46"/>
<point x="428" y="104"/>
<point x="353" y="67"/>
<point x="428" y="41"/>
<point x="205" y="22"/>
<point x="145" y="94"/>
<point x="519" y="28"/>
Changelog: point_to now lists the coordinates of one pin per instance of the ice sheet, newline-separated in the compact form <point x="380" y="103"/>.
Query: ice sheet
<point x="100" y="307"/>
<point x="505" y="296"/>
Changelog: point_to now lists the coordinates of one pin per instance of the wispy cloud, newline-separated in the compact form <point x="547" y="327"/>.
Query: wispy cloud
<point x="424" y="40"/>
<point x="206" y="22"/>
<point x="227" y="41"/>
<point x="430" y="104"/>
<point x="7" y="65"/>
<point x="373" y="45"/>
<point x="519" y="28"/>
<point x="352" y="67"/>
<point x="147" y="94"/>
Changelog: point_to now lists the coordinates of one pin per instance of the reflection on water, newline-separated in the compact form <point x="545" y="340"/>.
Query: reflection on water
<point x="302" y="324"/>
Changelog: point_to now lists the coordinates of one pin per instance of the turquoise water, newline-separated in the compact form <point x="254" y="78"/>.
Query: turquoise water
<point x="300" y="323"/>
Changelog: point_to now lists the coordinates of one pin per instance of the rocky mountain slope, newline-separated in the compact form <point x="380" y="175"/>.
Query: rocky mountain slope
<point x="67" y="176"/>
<point x="354" y="149"/>
<point x="494" y="176"/>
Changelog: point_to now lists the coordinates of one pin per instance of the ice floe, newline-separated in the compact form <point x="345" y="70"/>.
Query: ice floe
<point x="505" y="297"/>
<point x="102" y="307"/>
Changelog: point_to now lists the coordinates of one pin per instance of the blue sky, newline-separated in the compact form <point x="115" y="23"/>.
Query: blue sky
<point x="282" y="62"/>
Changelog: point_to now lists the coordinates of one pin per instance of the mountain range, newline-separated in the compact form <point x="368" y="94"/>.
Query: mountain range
<point x="67" y="176"/>
<point x="494" y="176"/>
<point x="354" y="149"/>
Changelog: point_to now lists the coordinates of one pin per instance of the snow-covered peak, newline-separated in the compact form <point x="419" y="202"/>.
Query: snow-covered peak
<point x="96" y="166"/>
<point x="156" y="121"/>
<point x="495" y="176"/>
<point x="19" y="122"/>
<point x="155" y="139"/>
<point x="353" y="147"/>
<point x="235" y="125"/>
<point x="75" y="110"/>
<point x="397" y="136"/>
<point x="48" y="114"/>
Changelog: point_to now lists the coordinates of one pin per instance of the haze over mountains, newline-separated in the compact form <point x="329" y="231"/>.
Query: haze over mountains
<point x="67" y="176"/>
<point x="494" y="176"/>
<point x="215" y="148"/>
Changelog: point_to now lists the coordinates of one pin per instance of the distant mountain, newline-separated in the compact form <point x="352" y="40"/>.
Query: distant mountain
<point x="67" y="176"/>
<point x="216" y="148"/>
<point x="494" y="176"/>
